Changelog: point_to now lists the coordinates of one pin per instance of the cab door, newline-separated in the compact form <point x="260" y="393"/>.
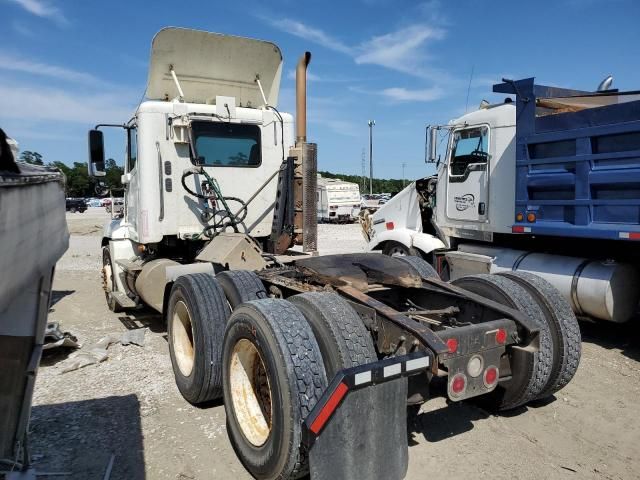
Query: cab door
<point x="468" y="175"/>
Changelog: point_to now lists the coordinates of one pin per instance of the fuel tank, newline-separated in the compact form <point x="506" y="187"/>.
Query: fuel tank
<point x="606" y="290"/>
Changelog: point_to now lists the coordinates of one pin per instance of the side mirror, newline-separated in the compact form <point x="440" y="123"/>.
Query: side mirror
<point x="432" y="134"/>
<point x="96" y="154"/>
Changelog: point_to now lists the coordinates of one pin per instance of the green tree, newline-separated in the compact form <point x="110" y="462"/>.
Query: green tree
<point x="31" y="157"/>
<point x="113" y="174"/>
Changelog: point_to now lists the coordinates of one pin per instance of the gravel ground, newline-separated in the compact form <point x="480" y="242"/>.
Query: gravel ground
<point x="129" y="407"/>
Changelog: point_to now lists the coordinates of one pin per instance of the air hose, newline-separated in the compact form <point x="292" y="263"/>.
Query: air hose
<point x="211" y="192"/>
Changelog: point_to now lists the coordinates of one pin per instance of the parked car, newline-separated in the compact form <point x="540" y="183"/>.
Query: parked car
<point x="94" y="202"/>
<point x="76" y="205"/>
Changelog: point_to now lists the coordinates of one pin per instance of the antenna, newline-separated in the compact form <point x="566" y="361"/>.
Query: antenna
<point x="469" y="89"/>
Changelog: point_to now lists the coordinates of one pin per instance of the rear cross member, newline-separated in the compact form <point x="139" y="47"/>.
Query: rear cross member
<point x="356" y="378"/>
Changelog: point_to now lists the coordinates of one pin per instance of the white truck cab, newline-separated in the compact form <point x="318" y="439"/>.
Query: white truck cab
<point x="203" y="108"/>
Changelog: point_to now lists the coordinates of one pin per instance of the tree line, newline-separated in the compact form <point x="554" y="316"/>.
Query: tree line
<point x="380" y="185"/>
<point x="78" y="181"/>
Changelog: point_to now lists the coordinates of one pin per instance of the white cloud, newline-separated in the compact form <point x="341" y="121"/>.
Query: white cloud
<point x="404" y="95"/>
<point x="314" y="35"/>
<point x="403" y="50"/>
<point x="43" y="103"/>
<point x="17" y="64"/>
<point x="43" y="10"/>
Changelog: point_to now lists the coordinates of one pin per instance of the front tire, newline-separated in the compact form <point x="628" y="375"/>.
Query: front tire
<point x="397" y="249"/>
<point x="273" y="377"/>
<point x="197" y="314"/>
<point x="108" y="281"/>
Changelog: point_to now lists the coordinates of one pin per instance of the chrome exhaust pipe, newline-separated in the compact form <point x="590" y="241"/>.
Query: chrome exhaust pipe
<point x="301" y="98"/>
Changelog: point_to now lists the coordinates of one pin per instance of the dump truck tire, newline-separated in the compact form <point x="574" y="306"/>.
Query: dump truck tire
<point x="423" y="267"/>
<point x="273" y="377"/>
<point x="563" y="325"/>
<point x="537" y="370"/>
<point x="397" y="249"/>
<point x="197" y="314"/>
<point x="241" y="286"/>
<point x="343" y="339"/>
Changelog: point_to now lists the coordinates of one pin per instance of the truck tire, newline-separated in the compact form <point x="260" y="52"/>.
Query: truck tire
<point x="343" y="339"/>
<point x="537" y="371"/>
<point x="108" y="282"/>
<point x="241" y="286"/>
<point x="563" y="325"/>
<point x="197" y="314"/>
<point x="423" y="267"/>
<point x="397" y="249"/>
<point x="273" y="377"/>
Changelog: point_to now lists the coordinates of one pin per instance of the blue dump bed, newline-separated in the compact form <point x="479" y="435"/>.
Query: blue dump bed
<point x="577" y="161"/>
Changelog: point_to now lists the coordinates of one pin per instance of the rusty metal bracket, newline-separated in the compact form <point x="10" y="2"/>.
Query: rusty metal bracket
<point x="428" y="338"/>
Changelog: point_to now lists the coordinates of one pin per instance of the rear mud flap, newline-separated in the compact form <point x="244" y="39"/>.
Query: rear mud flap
<point x="358" y="429"/>
<point x="367" y="438"/>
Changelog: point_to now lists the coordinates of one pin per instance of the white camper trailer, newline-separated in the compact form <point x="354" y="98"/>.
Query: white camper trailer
<point x="338" y="201"/>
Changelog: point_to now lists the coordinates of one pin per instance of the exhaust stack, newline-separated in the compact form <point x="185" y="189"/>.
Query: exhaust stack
<point x="301" y="98"/>
<point x="305" y="168"/>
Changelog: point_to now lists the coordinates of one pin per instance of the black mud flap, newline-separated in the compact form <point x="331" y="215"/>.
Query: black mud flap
<point x="358" y="430"/>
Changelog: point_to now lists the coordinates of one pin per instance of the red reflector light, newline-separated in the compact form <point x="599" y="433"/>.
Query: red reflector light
<point x="490" y="376"/>
<point x="328" y="408"/>
<point x="452" y="345"/>
<point x="634" y="235"/>
<point x="517" y="229"/>
<point x="501" y="336"/>
<point x="458" y="384"/>
<point x="390" y="225"/>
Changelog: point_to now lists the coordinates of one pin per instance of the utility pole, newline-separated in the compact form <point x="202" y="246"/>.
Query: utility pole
<point x="371" y="123"/>
<point x="403" y="182"/>
<point x="363" y="182"/>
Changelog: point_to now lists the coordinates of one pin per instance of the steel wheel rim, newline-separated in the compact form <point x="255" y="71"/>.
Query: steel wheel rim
<point x="182" y="338"/>
<point x="250" y="392"/>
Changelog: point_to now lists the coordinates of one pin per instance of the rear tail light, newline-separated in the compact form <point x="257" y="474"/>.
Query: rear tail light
<point x="452" y="345"/>
<point x="458" y="384"/>
<point x="501" y="336"/>
<point x="490" y="376"/>
<point x="390" y="225"/>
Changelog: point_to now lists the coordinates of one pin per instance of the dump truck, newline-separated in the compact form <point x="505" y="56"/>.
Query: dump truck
<point x="219" y="236"/>
<point x="547" y="184"/>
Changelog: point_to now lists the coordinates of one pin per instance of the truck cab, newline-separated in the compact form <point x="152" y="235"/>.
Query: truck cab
<point x="203" y="110"/>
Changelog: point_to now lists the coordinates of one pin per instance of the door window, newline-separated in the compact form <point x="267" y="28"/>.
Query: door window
<point x="132" y="149"/>
<point x="469" y="147"/>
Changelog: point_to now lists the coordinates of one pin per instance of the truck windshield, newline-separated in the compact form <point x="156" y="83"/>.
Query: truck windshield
<point x="469" y="146"/>
<point x="222" y="144"/>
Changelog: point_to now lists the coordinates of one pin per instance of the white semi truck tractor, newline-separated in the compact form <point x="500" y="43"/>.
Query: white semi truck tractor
<point x="318" y="359"/>
<point x="547" y="184"/>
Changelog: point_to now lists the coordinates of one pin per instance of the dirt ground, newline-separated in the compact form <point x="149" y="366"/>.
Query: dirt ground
<point x="129" y="407"/>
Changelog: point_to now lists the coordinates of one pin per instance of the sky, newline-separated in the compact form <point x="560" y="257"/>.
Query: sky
<point x="68" y="65"/>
